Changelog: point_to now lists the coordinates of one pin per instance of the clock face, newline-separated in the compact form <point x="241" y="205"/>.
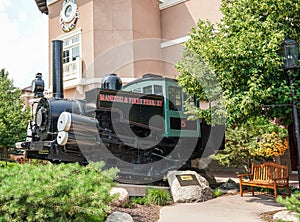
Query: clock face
<point x="69" y="11"/>
<point x="69" y="15"/>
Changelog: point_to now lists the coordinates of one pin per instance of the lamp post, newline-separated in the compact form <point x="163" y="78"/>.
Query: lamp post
<point x="290" y="51"/>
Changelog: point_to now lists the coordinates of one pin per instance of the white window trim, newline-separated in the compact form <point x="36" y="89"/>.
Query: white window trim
<point x="70" y="34"/>
<point x="77" y="62"/>
<point x="174" y="42"/>
<point x="169" y="3"/>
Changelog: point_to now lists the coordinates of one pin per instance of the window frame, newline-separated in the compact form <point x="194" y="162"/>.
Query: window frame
<point x="69" y="45"/>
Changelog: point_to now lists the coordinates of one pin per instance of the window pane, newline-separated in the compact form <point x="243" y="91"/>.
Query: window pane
<point x="71" y="48"/>
<point x="175" y="100"/>
<point x="75" y="53"/>
<point x="137" y="90"/>
<point x="147" y="90"/>
<point x="66" y="43"/>
<point x="157" y="90"/>
<point x="66" y="56"/>
<point x="75" y="39"/>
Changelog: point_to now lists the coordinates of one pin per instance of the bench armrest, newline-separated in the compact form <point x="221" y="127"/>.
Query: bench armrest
<point x="250" y="175"/>
<point x="244" y="174"/>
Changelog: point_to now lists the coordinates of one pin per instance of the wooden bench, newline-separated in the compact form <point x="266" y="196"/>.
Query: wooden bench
<point x="266" y="175"/>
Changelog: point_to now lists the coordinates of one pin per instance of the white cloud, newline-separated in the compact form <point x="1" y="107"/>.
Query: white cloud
<point x="4" y="4"/>
<point x="23" y="42"/>
<point x="22" y="16"/>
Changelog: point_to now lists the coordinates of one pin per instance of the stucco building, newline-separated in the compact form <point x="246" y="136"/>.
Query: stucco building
<point x="127" y="37"/>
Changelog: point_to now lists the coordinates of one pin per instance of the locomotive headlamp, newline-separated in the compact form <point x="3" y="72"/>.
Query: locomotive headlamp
<point x="37" y="86"/>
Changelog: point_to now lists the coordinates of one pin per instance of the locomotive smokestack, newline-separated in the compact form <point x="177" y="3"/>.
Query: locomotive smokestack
<point x="57" y="69"/>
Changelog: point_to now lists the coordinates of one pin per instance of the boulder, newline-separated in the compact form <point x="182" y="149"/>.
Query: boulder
<point x="189" y="187"/>
<point x="122" y="196"/>
<point x="200" y="165"/>
<point x="286" y="215"/>
<point x="119" y="216"/>
<point x="229" y="187"/>
<point x="208" y="175"/>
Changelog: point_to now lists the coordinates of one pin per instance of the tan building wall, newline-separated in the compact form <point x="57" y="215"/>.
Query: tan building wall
<point x="85" y="26"/>
<point x="127" y="37"/>
<point x="177" y="21"/>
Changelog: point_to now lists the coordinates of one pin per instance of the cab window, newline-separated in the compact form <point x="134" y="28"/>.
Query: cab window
<point x="175" y="99"/>
<point x="158" y="90"/>
<point x="147" y="90"/>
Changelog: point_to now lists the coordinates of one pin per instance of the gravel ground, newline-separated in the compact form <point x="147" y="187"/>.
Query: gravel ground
<point x="268" y="216"/>
<point x="141" y="213"/>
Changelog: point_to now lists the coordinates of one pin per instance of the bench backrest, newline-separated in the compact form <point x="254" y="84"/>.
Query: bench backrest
<point x="269" y="171"/>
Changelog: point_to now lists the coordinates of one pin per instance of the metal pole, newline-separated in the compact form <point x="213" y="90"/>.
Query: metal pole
<point x="296" y="126"/>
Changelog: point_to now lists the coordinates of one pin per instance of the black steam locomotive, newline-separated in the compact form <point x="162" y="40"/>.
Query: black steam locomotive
<point x="141" y="129"/>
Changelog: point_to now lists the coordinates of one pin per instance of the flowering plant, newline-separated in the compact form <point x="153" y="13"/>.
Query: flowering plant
<point x="269" y="145"/>
<point x="257" y="140"/>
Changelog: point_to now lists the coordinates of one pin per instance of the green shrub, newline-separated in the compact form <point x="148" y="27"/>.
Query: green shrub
<point x="218" y="192"/>
<point x="140" y="200"/>
<point x="158" y="196"/>
<point x="64" y="192"/>
<point x="248" y="143"/>
<point x="291" y="203"/>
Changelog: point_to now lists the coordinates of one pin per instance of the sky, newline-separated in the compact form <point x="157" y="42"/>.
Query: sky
<point x="23" y="41"/>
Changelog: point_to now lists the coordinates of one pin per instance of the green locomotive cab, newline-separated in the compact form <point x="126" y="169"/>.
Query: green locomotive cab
<point x="176" y="123"/>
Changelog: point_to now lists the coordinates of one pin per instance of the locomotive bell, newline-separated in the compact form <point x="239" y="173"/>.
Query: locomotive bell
<point x="37" y="85"/>
<point x="111" y="81"/>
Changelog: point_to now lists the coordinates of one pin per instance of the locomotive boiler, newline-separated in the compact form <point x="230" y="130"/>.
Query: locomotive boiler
<point x="139" y="128"/>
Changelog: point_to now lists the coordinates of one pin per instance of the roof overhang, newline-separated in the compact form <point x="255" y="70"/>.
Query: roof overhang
<point x="42" y="5"/>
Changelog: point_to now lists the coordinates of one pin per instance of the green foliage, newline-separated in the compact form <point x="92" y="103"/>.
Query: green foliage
<point x="242" y="51"/>
<point x="64" y="192"/>
<point x="197" y="79"/>
<point x="241" y="142"/>
<point x="291" y="203"/>
<point x="154" y="196"/>
<point x="140" y="200"/>
<point x="265" y="190"/>
<point x="218" y="192"/>
<point x="13" y="116"/>
<point x="158" y="196"/>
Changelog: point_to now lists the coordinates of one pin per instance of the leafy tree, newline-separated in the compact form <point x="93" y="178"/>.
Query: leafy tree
<point x="13" y="116"/>
<point x="243" y="53"/>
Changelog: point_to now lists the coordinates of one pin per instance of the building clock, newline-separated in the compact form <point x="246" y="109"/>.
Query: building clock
<point x="69" y="15"/>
